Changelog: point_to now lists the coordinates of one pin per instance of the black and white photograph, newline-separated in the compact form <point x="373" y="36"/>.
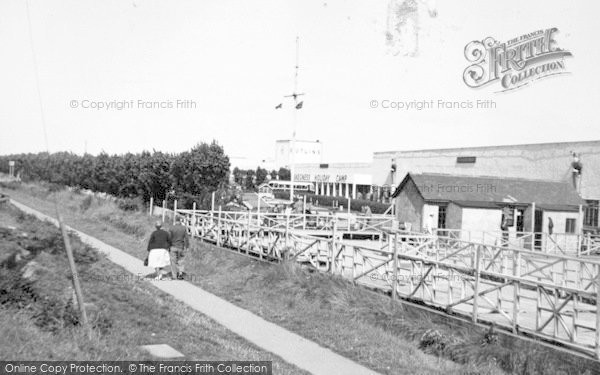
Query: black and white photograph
<point x="328" y="187"/>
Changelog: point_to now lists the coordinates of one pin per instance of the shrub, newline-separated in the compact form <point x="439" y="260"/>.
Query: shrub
<point x="11" y="185"/>
<point x="54" y="315"/>
<point x="130" y="204"/>
<point x="435" y="342"/>
<point x="14" y="290"/>
<point x="86" y="203"/>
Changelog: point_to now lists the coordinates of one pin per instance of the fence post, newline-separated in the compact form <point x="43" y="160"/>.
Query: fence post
<point x="164" y="210"/>
<point x="598" y="312"/>
<point x="212" y="201"/>
<point x="193" y="221"/>
<point x="304" y="213"/>
<point x="287" y="232"/>
<point x="74" y="274"/>
<point x="348" y="202"/>
<point x="533" y="226"/>
<point x="258" y="222"/>
<point x="476" y="288"/>
<point x="219" y="228"/>
<point x="151" y="206"/>
<point x="249" y="224"/>
<point x="333" y="248"/>
<point x="588" y="243"/>
<point x="395" y="265"/>
<point x="174" y="211"/>
<point x="516" y="287"/>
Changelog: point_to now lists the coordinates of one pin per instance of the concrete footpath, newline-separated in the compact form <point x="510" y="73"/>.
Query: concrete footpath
<point x="291" y="347"/>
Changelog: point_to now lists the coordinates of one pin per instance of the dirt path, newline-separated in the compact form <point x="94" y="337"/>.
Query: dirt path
<point x="289" y="346"/>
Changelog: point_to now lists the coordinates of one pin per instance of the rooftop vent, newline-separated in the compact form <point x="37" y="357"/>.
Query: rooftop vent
<point x="466" y="160"/>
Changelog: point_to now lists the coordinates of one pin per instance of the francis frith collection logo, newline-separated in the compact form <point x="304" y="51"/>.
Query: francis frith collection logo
<point x="514" y="63"/>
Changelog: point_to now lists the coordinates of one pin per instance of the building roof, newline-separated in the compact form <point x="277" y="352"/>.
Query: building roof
<point x="573" y="144"/>
<point x="487" y="191"/>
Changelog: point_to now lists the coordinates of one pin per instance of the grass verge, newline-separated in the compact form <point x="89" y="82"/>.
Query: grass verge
<point x="39" y="321"/>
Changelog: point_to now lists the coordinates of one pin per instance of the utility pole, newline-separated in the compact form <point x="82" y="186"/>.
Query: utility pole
<point x="297" y="106"/>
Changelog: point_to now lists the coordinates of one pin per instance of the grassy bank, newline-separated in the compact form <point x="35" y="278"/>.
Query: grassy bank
<point x="38" y="318"/>
<point x="350" y="320"/>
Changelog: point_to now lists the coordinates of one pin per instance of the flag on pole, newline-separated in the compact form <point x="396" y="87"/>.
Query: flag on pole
<point x="279" y="106"/>
<point x="299" y="105"/>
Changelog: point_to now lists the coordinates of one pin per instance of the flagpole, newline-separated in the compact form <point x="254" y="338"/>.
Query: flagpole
<point x="297" y="106"/>
<point x="293" y="145"/>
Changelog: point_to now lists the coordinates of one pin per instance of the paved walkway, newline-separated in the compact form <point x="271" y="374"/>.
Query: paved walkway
<point x="291" y="347"/>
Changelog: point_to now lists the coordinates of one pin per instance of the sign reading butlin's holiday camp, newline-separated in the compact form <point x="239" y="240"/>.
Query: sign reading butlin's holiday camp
<point x="321" y="177"/>
<point x="518" y="62"/>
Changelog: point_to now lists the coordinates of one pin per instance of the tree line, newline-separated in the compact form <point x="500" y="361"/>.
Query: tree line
<point x="188" y="175"/>
<point x="251" y="179"/>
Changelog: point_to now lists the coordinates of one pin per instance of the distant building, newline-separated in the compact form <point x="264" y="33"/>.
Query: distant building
<point x="303" y="152"/>
<point x="337" y="179"/>
<point x="543" y="161"/>
<point x="488" y="204"/>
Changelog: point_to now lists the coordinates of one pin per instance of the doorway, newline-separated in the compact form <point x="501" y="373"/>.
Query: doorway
<point x="538" y="222"/>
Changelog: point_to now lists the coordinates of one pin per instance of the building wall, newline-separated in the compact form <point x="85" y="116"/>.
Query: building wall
<point x="409" y="206"/>
<point x="304" y="152"/>
<point x="528" y="219"/>
<point x="549" y="161"/>
<point x="564" y="241"/>
<point x="560" y="220"/>
<point x="453" y="216"/>
<point x="430" y="209"/>
<point x="479" y="220"/>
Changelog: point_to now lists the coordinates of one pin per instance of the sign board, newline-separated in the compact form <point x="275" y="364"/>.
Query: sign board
<point x="11" y="163"/>
<point x="321" y="177"/>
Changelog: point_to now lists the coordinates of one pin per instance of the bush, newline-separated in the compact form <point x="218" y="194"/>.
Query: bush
<point x="130" y="204"/>
<point x="86" y="203"/>
<point x="54" y="315"/>
<point x="11" y="185"/>
<point x="42" y="294"/>
<point x="14" y="290"/>
<point x="435" y="342"/>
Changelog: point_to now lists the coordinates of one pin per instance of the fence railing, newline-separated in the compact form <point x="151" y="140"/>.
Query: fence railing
<point x="380" y="224"/>
<point x="321" y="221"/>
<point x="556" y="243"/>
<point x="546" y="295"/>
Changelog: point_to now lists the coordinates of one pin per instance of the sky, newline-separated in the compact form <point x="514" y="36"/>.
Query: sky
<point x="233" y="61"/>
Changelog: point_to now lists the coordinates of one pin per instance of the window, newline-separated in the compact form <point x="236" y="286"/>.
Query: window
<point x="590" y="216"/>
<point x="570" y="226"/>
<point x="466" y="159"/>
<point x="442" y="217"/>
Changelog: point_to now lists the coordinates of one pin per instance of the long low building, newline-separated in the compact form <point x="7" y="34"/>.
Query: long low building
<point x="577" y="163"/>
<point x="350" y="180"/>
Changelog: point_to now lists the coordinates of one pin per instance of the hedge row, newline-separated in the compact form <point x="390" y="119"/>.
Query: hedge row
<point x="355" y="204"/>
<point x="190" y="175"/>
